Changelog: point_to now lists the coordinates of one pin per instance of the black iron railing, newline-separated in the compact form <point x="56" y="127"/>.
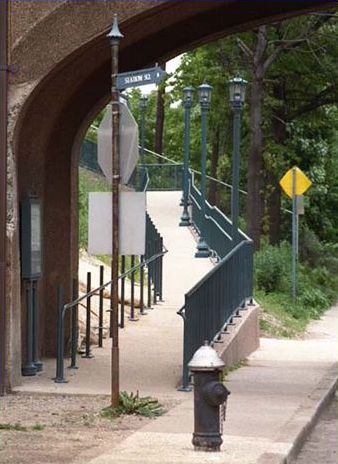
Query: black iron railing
<point x="213" y="301"/>
<point x="152" y="260"/>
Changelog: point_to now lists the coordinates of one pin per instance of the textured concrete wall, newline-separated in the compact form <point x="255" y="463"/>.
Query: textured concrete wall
<point x="242" y="339"/>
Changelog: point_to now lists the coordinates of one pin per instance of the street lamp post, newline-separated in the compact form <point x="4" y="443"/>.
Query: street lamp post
<point x="115" y="37"/>
<point x="187" y="103"/>
<point x="204" y="91"/>
<point x="237" y="87"/>
<point x="143" y="106"/>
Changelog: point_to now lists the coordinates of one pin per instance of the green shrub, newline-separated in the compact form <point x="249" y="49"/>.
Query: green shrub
<point x="133" y="404"/>
<point x="272" y="268"/>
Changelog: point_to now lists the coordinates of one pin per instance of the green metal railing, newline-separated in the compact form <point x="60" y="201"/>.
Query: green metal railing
<point x="162" y="176"/>
<point x="217" y="228"/>
<point x="212" y="303"/>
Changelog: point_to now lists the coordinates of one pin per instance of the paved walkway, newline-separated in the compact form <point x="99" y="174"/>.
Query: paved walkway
<point x="150" y="349"/>
<point x="273" y="399"/>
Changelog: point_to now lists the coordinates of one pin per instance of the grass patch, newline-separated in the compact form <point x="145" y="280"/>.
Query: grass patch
<point x="38" y="427"/>
<point x="130" y="404"/>
<point x="17" y="427"/>
<point x="281" y="317"/>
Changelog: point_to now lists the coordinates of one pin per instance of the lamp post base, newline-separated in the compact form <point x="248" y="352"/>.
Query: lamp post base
<point x="29" y="369"/>
<point x="185" y="220"/>
<point x="203" y="250"/>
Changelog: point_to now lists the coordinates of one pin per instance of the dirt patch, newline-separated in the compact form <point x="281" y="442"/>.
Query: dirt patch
<point x="53" y="429"/>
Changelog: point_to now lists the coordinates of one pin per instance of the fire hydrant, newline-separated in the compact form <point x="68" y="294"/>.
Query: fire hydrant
<point x="209" y="396"/>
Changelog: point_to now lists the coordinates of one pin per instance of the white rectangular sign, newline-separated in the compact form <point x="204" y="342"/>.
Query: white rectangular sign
<point x="132" y="223"/>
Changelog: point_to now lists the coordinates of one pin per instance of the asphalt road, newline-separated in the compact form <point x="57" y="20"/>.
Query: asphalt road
<point x="321" y="446"/>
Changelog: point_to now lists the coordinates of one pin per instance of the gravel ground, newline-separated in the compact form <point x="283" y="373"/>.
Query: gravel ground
<point x="51" y="429"/>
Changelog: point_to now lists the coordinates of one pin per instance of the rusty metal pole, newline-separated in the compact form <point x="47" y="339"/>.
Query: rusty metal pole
<point x="115" y="36"/>
<point x="3" y="181"/>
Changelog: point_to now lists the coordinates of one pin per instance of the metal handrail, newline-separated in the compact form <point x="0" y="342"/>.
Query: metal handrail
<point x="212" y="303"/>
<point x="121" y="276"/>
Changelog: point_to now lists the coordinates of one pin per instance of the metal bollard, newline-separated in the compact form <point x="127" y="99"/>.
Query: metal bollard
<point x="101" y="307"/>
<point x="60" y="374"/>
<point x="75" y="329"/>
<point x="142" y="310"/>
<point x="123" y="286"/>
<point x="132" y="292"/>
<point x="88" y="354"/>
<point x="161" y="271"/>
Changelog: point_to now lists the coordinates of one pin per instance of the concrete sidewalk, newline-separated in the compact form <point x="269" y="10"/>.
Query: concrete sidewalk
<point x="274" y="400"/>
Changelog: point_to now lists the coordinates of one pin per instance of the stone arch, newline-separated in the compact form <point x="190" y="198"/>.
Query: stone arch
<point x="64" y="77"/>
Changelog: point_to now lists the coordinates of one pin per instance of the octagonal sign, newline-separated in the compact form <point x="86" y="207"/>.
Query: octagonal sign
<point x="129" y="144"/>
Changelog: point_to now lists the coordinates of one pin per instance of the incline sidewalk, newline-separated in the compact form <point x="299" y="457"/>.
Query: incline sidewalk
<point x="272" y="403"/>
<point x="151" y="348"/>
<point x="273" y="399"/>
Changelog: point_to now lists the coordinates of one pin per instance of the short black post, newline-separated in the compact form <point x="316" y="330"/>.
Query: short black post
<point x="123" y="288"/>
<point x="29" y="368"/>
<point x="36" y="360"/>
<point x="88" y="355"/>
<point x="155" y="270"/>
<point x="60" y="374"/>
<point x="161" y="271"/>
<point x="132" y="291"/>
<point x="149" y="280"/>
<point x="101" y="307"/>
<point x="75" y="329"/>
<point x="142" y="311"/>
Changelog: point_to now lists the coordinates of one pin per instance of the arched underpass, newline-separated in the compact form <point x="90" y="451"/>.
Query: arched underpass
<point x="63" y="80"/>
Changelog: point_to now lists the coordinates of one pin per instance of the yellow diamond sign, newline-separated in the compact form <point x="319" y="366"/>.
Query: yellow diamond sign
<point x="301" y="182"/>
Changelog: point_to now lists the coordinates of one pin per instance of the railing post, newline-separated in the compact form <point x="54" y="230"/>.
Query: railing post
<point x="132" y="292"/>
<point x="123" y="287"/>
<point x="60" y="339"/>
<point x="88" y="355"/>
<point x="101" y="307"/>
<point x="75" y="330"/>
<point x="142" y="311"/>
<point x="149" y="279"/>
<point x="161" y="271"/>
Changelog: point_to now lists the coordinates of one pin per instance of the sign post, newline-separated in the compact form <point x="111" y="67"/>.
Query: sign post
<point x="295" y="183"/>
<point x="115" y="36"/>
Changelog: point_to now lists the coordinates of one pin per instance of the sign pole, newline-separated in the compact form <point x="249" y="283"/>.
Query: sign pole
<point x="115" y="36"/>
<point x="294" y="234"/>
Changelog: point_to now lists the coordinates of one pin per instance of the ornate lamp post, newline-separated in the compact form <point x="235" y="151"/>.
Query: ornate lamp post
<point x="237" y="87"/>
<point x="204" y="92"/>
<point x="115" y="37"/>
<point x="187" y="103"/>
<point x="143" y="106"/>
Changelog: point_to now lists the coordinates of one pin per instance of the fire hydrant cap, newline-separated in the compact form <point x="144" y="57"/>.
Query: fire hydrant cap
<point x="205" y="358"/>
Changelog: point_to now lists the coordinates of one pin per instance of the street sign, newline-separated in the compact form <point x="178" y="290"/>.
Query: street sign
<point x="132" y="223"/>
<point x="129" y="143"/>
<point x="140" y="77"/>
<point x="302" y="182"/>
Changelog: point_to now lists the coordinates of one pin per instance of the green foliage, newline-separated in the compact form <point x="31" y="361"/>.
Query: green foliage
<point x="133" y="404"/>
<point x="15" y="427"/>
<point x="272" y="267"/>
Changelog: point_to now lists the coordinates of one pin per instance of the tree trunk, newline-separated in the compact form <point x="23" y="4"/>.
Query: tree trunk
<point x="279" y="134"/>
<point x="255" y="205"/>
<point x="213" y="187"/>
<point x="159" y="118"/>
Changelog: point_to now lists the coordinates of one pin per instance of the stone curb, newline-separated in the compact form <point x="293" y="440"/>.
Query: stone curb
<point x="297" y="430"/>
